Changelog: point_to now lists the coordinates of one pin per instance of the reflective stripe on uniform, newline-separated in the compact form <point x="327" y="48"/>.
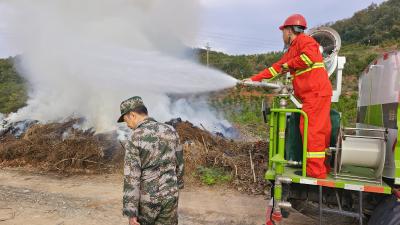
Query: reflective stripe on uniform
<point x="316" y="155"/>
<point x="306" y="60"/>
<point x="314" y="66"/>
<point x="273" y="71"/>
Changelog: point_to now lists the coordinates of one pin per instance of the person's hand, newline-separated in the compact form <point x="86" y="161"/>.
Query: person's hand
<point x="133" y="221"/>
<point x="246" y="80"/>
<point x="284" y="68"/>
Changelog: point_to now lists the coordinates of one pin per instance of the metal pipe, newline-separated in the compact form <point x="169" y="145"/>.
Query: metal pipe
<point x="293" y="163"/>
<point x="365" y="129"/>
<point x="344" y="213"/>
<point x="338" y="200"/>
<point x="261" y="84"/>
<point x="284" y="180"/>
<point x="320" y="205"/>
<point x="364" y="137"/>
<point x="277" y="196"/>
<point x="285" y="205"/>
<point x="334" y="149"/>
<point x="361" y="207"/>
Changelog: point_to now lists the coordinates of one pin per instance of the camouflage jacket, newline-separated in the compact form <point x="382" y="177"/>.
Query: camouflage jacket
<point x="153" y="166"/>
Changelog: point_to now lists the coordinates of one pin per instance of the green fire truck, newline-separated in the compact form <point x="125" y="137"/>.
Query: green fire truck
<point x="364" y="181"/>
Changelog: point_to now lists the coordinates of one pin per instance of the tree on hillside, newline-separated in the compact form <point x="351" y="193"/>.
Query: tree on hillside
<point x="12" y="87"/>
<point x="371" y="26"/>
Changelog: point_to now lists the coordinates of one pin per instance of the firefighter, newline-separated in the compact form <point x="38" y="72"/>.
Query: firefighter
<point x="311" y="85"/>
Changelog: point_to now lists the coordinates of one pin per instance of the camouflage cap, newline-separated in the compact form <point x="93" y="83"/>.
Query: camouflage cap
<point x="129" y="105"/>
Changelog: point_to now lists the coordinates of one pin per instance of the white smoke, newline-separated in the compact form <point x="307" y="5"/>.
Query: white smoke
<point x="83" y="57"/>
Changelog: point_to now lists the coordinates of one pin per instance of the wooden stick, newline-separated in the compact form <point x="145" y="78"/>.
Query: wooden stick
<point x="204" y="143"/>
<point x="203" y="127"/>
<point x="252" y="167"/>
<point x="89" y="161"/>
<point x="63" y="161"/>
<point x="236" y="170"/>
<point x="83" y="160"/>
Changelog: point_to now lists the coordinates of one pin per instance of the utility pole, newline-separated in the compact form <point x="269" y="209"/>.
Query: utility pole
<point x="208" y="51"/>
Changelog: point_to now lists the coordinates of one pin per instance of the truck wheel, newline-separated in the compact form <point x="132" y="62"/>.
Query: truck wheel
<point x="387" y="212"/>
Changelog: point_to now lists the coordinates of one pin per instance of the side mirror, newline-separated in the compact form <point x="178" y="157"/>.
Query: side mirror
<point x="266" y="110"/>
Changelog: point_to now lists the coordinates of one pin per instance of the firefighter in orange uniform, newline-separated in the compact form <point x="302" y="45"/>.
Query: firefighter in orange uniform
<point x="311" y="85"/>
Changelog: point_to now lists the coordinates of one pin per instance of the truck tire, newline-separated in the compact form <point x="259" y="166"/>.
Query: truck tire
<point x="387" y="212"/>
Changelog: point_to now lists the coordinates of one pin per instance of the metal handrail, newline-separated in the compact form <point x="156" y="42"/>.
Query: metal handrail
<point x="305" y="134"/>
<point x="365" y="137"/>
<point x="366" y="129"/>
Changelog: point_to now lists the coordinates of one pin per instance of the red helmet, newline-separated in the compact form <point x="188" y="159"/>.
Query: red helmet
<point x="295" y="20"/>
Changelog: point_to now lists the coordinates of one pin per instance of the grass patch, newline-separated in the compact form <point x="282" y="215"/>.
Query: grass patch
<point x="357" y="58"/>
<point x="347" y="105"/>
<point x="211" y="175"/>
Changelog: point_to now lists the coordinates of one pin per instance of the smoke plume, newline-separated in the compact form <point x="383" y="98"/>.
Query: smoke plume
<point x="83" y="57"/>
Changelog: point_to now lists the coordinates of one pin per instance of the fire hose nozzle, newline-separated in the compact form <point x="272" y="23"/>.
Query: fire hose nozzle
<point x="261" y="84"/>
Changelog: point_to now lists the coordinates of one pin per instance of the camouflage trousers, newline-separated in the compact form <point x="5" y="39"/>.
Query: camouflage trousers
<point x="164" y="212"/>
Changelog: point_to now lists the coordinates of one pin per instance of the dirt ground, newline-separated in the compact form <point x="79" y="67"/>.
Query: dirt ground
<point x="28" y="197"/>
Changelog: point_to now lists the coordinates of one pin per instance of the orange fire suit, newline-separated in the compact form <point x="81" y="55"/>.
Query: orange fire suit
<point x="312" y="86"/>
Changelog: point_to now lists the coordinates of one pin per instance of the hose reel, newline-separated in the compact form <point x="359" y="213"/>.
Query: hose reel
<point x="364" y="149"/>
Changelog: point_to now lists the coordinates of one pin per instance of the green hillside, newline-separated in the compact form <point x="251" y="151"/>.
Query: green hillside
<point x="12" y="87"/>
<point x="374" y="25"/>
<point x="239" y="66"/>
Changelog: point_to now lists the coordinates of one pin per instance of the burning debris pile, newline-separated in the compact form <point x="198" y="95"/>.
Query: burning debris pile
<point x="56" y="146"/>
<point x="65" y="148"/>
<point x="246" y="161"/>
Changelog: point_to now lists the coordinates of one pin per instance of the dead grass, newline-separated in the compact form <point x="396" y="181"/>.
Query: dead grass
<point x="49" y="148"/>
<point x="202" y="149"/>
<point x="61" y="148"/>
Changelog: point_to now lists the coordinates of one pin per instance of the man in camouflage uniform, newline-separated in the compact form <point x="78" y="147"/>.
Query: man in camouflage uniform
<point x="153" y="168"/>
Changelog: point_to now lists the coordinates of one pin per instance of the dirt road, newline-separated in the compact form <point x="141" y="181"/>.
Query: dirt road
<point x="35" y="199"/>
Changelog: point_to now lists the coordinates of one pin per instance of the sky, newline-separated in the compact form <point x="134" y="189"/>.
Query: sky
<point x="247" y="26"/>
<point x="251" y="26"/>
